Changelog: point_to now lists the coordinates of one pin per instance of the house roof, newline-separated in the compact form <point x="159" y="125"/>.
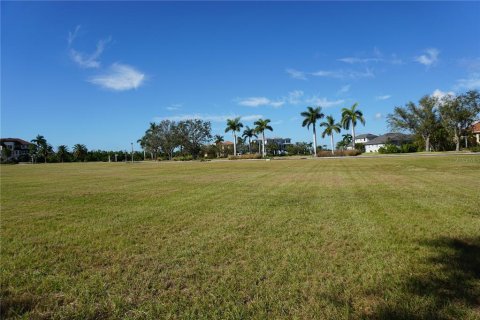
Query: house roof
<point x="369" y="136"/>
<point x="17" y="140"/>
<point x="476" y="127"/>
<point x="227" y="143"/>
<point x="390" y="137"/>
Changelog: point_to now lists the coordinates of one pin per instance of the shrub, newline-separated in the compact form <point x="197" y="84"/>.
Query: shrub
<point x="245" y="156"/>
<point x="408" y="147"/>
<point x="338" y="153"/>
<point x="360" y="147"/>
<point x="475" y="149"/>
<point x="389" y="148"/>
<point x="187" y="157"/>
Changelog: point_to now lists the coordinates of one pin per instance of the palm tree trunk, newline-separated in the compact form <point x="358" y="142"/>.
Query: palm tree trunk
<point x="331" y="140"/>
<point x="427" y="143"/>
<point x="353" y="136"/>
<point x="314" y="141"/>
<point x="263" y="144"/>
<point x="234" y="144"/>
<point x="249" y="145"/>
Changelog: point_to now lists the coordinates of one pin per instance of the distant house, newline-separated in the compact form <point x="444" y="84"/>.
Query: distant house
<point x="17" y="148"/>
<point x="476" y="131"/>
<point x="390" y="138"/>
<point x="362" y="138"/>
<point x="282" y="143"/>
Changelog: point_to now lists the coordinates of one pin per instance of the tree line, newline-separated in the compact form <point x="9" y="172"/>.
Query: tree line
<point x="437" y="123"/>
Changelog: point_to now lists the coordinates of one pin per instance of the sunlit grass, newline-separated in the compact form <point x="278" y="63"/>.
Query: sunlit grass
<point x="328" y="238"/>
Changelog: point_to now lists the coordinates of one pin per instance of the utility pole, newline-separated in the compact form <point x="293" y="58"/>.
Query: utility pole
<point x="132" y="152"/>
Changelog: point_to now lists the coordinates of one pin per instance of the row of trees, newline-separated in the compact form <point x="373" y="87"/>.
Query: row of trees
<point x="350" y="118"/>
<point x="261" y="125"/>
<point x="439" y="123"/>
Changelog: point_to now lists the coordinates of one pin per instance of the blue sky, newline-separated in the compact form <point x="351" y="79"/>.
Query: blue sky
<point x="97" y="73"/>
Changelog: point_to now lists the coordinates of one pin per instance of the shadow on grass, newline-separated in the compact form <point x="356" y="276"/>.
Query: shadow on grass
<point x="449" y="290"/>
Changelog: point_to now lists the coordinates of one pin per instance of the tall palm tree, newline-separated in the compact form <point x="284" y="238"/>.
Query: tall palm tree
<point x="310" y="117"/>
<point x="218" y="139"/>
<point x="234" y="125"/>
<point x="249" y="133"/>
<point x="42" y="146"/>
<point x="261" y="126"/>
<point x="80" y="151"/>
<point x="330" y="128"/>
<point x="62" y="152"/>
<point x="350" y="118"/>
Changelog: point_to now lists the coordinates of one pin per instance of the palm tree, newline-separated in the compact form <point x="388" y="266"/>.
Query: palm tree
<point x="249" y="133"/>
<point x="261" y="126"/>
<point x="346" y="140"/>
<point x="42" y="146"/>
<point x="310" y="118"/>
<point x="330" y="128"/>
<point x="234" y="125"/>
<point x="62" y="152"/>
<point x="350" y="118"/>
<point x="218" y="140"/>
<point x="79" y="151"/>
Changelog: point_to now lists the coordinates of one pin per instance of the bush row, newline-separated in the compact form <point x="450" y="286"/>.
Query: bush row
<point x="339" y="153"/>
<point x="245" y="156"/>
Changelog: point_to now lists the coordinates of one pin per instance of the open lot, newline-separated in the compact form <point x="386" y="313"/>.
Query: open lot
<point x="383" y="238"/>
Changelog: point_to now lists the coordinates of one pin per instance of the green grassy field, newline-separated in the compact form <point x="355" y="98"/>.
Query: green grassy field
<point x="389" y="238"/>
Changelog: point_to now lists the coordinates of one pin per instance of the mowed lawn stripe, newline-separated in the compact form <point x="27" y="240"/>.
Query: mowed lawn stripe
<point x="329" y="238"/>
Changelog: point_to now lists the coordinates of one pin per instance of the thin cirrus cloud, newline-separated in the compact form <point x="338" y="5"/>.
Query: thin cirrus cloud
<point x="295" y="97"/>
<point x="429" y="58"/>
<point x="344" y="89"/>
<point x="174" y="107"/>
<point x="384" y="97"/>
<point x="209" y="117"/>
<point x="119" y="77"/>
<point x="260" y="101"/>
<point x="335" y="74"/>
<point x="470" y="83"/>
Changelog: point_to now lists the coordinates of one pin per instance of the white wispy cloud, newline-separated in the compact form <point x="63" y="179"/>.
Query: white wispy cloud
<point x="430" y="57"/>
<point x="471" y="64"/>
<point x="344" y="89"/>
<point x="323" y="102"/>
<point x="353" y="60"/>
<point x="344" y="74"/>
<point x="384" y="97"/>
<point x="209" y="117"/>
<point x="260" y="101"/>
<point x="379" y="116"/>
<point x="174" y="107"/>
<point x="294" y="97"/>
<point x="296" y="74"/>
<point x="375" y="57"/>
<point x="82" y="59"/>
<point x="440" y="94"/>
<point x="72" y="35"/>
<point x="470" y="83"/>
<point x="119" y="77"/>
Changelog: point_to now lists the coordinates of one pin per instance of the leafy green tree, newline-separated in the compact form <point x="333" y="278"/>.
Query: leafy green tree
<point x="459" y="113"/>
<point x="421" y="120"/>
<point x="234" y="125"/>
<point x="310" y="117"/>
<point x="260" y="126"/>
<point x="193" y="133"/>
<point x="62" y="152"/>
<point x="80" y="152"/>
<point x="350" y="117"/>
<point x="330" y="128"/>
<point x="249" y="133"/>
